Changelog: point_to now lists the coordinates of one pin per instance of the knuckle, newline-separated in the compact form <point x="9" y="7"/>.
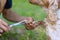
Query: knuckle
<point x="5" y="29"/>
<point x="1" y="30"/>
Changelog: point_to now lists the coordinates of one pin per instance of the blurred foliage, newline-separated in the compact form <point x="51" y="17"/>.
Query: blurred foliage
<point x="24" y="8"/>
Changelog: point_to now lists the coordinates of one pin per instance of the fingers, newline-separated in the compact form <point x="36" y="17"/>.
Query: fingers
<point x="1" y="31"/>
<point x="3" y="27"/>
<point x="27" y="26"/>
<point x="29" y="23"/>
<point x="29" y="19"/>
<point x="3" y="22"/>
<point x="30" y="26"/>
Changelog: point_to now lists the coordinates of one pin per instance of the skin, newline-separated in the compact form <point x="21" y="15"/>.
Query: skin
<point x="43" y="5"/>
<point x="48" y="9"/>
<point x="50" y="18"/>
<point x="10" y="15"/>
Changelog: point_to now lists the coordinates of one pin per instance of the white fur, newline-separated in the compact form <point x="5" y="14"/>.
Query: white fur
<point x="54" y="31"/>
<point x="58" y="13"/>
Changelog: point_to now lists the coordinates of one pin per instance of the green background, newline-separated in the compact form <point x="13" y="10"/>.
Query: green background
<point x="24" y="8"/>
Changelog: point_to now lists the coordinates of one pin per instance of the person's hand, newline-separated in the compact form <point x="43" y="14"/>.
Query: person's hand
<point x="3" y="27"/>
<point x="29" y="24"/>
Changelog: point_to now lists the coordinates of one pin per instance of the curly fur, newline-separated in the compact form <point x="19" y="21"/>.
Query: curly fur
<point x="50" y="6"/>
<point x="51" y="20"/>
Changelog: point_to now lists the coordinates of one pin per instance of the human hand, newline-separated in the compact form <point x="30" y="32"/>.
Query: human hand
<point x="29" y="25"/>
<point x="3" y="27"/>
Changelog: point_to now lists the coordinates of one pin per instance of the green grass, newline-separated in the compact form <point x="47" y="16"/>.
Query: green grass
<point x="24" y="8"/>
